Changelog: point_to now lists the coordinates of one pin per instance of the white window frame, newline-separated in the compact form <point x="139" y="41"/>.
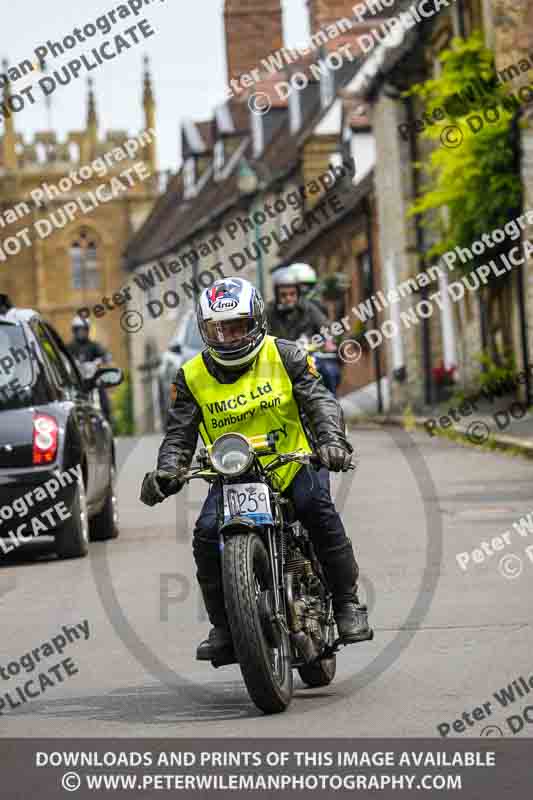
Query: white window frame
<point x="218" y="158"/>
<point x="258" y="133"/>
<point x="189" y="178"/>
<point x="327" y="89"/>
<point x="295" y="110"/>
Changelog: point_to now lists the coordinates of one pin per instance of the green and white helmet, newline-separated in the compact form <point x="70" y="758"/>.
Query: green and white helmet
<point x="303" y="274"/>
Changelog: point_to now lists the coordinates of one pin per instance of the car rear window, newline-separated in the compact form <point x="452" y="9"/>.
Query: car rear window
<point x="22" y="382"/>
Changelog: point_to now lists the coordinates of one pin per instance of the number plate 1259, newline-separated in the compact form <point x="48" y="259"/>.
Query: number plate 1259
<point x="248" y="500"/>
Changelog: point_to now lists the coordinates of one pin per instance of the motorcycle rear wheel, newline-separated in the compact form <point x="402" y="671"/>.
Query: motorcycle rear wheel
<point x="266" y="670"/>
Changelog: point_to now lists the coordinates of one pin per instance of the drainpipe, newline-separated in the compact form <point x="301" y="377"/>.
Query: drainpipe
<point x="461" y="18"/>
<point x="522" y="315"/>
<point x="370" y="248"/>
<point x="426" y="334"/>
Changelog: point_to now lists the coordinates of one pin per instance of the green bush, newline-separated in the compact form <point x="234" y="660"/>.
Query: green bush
<point x="494" y="375"/>
<point x="122" y="403"/>
<point x="493" y="378"/>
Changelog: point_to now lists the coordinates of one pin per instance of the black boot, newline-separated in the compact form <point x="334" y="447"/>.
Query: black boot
<point x="218" y="647"/>
<point x="341" y="571"/>
<point x="352" y="621"/>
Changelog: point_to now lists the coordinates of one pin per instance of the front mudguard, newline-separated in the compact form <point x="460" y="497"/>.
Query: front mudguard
<point x="239" y="525"/>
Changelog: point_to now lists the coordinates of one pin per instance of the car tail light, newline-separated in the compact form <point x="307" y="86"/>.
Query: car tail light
<point x="44" y="439"/>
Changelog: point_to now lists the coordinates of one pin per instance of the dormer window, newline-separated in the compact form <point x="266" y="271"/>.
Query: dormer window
<point x="258" y="135"/>
<point x="295" y="111"/>
<point x="219" y="158"/>
<point x="189" y="177"/>
<point x="327" y="88"/>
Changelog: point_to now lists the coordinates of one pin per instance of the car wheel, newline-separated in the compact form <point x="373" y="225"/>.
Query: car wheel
<point x="105" y="524"/>
<point x="72" y="538"/>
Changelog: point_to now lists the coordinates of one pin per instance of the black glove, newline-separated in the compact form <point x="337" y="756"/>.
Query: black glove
<point x="335" y="458"/>
<point x="158" y="485"/>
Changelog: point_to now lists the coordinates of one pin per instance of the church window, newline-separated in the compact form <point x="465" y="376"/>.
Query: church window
<point x="84" y="261"/>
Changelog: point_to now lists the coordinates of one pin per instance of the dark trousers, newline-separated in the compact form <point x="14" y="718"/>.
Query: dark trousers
<point x="314" y="508"/>
<point x="330" y="372"/>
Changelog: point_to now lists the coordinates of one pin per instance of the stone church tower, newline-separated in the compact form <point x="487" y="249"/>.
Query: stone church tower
<point x="79" y="262"/>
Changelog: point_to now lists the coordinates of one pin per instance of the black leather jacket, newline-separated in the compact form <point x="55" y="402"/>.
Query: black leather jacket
<point x="321" y="414"/>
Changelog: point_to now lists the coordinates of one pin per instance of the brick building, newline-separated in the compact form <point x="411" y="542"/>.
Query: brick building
<point x="237" y="163"/>
<point x="458" y="332"/>
<point x="76" y="260"/>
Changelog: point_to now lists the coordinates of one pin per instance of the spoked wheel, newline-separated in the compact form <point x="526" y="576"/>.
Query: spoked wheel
<point x="262" y="648"/>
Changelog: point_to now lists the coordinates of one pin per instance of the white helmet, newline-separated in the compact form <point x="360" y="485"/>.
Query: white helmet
<point x="303" y="273"/>
<point x="80" y="322"/>
<point x="232" y="300"/>
<point x="283" y="277"/>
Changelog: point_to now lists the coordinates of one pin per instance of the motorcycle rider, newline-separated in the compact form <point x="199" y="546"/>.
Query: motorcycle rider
<point x="306" y="278"/>
<point x="90" y="353"/>
<point x="268" y="381"/>
<point x="291" y="316"/>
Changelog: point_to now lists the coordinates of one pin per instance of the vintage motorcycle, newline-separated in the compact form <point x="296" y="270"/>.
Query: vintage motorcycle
<point x="278" y="604"/>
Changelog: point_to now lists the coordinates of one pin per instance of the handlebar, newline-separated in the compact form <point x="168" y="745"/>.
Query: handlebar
<point x="184" y="476"/>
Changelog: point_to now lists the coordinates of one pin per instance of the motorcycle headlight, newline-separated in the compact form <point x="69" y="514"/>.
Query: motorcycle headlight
<point x="231" y="454"/>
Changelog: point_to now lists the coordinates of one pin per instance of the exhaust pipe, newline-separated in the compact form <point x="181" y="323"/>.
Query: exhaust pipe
<point x="305" y="645"/>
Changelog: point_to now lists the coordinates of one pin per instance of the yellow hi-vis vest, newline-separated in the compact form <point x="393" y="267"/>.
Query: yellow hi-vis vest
<point x="259" y="402"/>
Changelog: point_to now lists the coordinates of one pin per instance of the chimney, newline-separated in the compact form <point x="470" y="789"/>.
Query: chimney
<point x="326" y="12"/>
<point x="254" y="29"/>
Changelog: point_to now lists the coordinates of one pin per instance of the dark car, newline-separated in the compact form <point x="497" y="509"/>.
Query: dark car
<point x="52" y="431"/>
<point x="184" y="345"/>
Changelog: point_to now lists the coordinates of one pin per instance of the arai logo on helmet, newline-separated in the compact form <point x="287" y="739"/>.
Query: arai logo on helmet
<point x="225" y="296"/>
<point x="225" y="304"/>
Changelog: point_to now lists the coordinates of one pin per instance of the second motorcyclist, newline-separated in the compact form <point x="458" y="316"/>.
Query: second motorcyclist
<point x="90" y="355"/>
<point x="290" y="315"/>
<point x="293" y="316"/>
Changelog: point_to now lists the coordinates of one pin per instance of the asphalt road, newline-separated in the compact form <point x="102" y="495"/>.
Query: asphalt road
<point x="445" y="639"/>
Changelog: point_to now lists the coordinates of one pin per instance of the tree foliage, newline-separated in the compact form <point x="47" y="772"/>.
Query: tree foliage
<point x="122" y="403"/>
<point x="475" y="181"/>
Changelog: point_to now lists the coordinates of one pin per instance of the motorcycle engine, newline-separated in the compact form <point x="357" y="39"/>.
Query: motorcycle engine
<point x="304" y="596"/>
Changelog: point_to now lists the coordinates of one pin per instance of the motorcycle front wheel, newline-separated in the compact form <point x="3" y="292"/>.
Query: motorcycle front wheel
<point x="264" y="659"/>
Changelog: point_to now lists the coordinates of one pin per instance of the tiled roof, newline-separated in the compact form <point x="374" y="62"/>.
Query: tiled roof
<point x="175" y="221"/>
<point x="206" y="132"/>
<point x="138" y="250"/>
<point x="349" y="195"/>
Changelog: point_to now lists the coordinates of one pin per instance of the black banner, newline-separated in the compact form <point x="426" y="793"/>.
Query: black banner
<point x="489" y="768"/>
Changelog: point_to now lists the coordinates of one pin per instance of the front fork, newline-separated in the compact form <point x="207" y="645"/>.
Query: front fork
<point x="279" y="616"/>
